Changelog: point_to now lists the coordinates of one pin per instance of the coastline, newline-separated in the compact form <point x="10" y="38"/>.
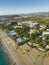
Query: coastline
<point x="7" y="55"/>
<point x="10" y="49"/>
<point x="31" y="57"/>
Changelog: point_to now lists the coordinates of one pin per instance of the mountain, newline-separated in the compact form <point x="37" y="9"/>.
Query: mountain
<point x="27" y="15"/>
<point x="9" y="16"/>
<point x="36" y="14"/>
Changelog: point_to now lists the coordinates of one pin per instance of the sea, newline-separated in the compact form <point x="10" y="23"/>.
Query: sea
<point x="3" y="57"/>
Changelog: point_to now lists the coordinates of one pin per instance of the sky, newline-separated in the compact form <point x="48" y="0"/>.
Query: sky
<point x="23" y="6"/>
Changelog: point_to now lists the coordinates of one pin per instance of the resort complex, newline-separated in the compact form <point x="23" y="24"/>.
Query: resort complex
<point x="24" y="32"/>
<point x="24" y="37"/>
<point x="32" y="33"/>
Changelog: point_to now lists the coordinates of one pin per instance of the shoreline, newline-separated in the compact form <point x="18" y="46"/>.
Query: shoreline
<point x="10" y="61"/>
<point x="9" y="45"/>
<point x="31" y="57"/>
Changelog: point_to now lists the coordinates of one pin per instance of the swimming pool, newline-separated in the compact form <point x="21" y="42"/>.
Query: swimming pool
<point x="23" y="39"/>
<point x="12" y="33"/>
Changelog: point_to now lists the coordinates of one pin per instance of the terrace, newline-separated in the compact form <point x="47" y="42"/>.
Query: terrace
<point x="22" y="39"/>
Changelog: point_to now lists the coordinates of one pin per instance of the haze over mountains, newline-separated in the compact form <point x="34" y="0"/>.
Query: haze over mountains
<point x="37" y="14"/>
<point x="29" y="14"/>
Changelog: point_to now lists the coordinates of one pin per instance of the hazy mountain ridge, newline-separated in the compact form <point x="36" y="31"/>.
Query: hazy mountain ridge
<point x="30" y="14"/>
<point x="36" y="14"/>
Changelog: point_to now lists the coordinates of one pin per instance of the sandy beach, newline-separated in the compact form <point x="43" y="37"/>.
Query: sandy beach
<point x="24" y="55"/>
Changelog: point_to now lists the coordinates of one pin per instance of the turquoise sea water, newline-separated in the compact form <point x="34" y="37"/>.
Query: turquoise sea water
<point x="3" y="58"/>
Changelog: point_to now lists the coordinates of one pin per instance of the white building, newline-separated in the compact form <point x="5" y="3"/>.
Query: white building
<point x="18" y="40"/>
<point x="17" y="26"/>
<point x="24" y="23"/>
<point x="29" y="24"/>
<point x="46" y="32"/>
<point x="32" y="31"/>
